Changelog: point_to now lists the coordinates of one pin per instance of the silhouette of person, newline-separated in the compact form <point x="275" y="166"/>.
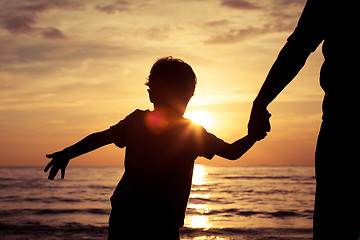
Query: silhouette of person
<point x="335" y="23"/>
<point x="161" y="147"/>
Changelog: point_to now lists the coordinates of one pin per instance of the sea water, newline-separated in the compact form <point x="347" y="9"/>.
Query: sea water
<point x="225" y="203"/>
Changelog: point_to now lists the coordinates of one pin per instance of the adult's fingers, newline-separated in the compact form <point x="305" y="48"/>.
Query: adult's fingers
<point x="259" y="120"/>
<point x="268" y="126"/>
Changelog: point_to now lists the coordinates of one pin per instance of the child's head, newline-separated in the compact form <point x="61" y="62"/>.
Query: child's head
<point x="171" y="84"/>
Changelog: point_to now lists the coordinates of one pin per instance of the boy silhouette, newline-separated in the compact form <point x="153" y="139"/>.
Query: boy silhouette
<point x="161" y="147"/>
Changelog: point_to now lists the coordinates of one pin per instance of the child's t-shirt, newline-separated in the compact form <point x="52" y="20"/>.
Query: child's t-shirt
<point x="159" y="165"/>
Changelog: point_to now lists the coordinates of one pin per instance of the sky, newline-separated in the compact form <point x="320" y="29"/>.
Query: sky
<point x="71" y="68"/>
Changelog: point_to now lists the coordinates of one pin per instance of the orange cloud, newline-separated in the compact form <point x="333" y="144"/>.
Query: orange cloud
<point x="23" y="17"/>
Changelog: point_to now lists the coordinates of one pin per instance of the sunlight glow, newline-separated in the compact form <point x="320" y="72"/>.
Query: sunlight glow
<point x="199" y="117"/>
<point x="199" y="222"/>
<point x="199" y="175"/>
<point x="200" y="208"/>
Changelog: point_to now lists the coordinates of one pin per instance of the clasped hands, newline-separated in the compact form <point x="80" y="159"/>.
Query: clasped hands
<point x="259" y="123"/>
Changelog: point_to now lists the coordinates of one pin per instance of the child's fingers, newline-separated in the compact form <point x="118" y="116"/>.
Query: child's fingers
<point x="51" y="155"/>
<point x="53" y="172"/>
<point x="259" y="135"/>
<point x="48" y="166"/>
<point x="62" y="173"/>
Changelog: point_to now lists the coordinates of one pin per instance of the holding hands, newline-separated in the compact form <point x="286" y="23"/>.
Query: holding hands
<point x="259" y="124"/>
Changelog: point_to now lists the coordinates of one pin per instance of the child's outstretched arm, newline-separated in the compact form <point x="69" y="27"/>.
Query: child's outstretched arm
<point x="235" y="150"/>
<point x="59" y="160"/>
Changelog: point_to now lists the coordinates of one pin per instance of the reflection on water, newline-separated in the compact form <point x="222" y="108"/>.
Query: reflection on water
<point x="200" y="220"/>
<point x="200" y="208"/>
<point x="225" y="203"/>
<point x="244" y="197"/>
<point x="199" y="175"/>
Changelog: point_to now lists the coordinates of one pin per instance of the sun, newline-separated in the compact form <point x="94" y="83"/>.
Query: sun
<point x="199" y="117"/>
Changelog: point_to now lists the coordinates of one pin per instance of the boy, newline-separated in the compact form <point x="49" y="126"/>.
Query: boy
<point x="161" y="147"/>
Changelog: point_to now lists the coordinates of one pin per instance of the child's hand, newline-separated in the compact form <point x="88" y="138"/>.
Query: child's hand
<point x="58" y="161"/>
<point x="258" y="135"/>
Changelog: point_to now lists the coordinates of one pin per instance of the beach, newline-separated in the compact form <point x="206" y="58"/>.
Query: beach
<point x="225" y="203"/>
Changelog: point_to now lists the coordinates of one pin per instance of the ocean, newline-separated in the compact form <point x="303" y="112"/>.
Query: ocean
<point x="225" y="203"/>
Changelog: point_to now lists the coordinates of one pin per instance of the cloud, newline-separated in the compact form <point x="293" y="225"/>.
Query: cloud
<point x="22" y="17"/>
<point x="275" y="16"/>
<point x="218" y="23"/>
<point x="239" y="4"/>
<point x="16" y="24"/>
<point x="8" y="49"/>
<point x="285" y="11"/>
<point x="118" y="6"/>
<point x="52" y="33"/>
<point x="63" y="52"/>
<point x="236" y="35"/>
<point x="44" y="5"/>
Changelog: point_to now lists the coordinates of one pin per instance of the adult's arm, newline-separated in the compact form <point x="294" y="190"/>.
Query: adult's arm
<point x="291" y="59"/>
<point x="308" y="34"/>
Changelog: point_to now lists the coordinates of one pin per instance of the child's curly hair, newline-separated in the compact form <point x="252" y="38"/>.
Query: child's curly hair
<point x="172" y="76"/>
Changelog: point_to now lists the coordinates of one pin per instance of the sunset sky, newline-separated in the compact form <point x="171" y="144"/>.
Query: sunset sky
<point x="71" y="68"/>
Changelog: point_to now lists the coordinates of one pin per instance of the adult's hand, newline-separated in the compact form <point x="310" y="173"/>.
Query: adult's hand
<point x="259" y="123"/>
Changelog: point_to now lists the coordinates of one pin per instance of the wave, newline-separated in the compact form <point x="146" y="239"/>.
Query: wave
<point x="7" y="179"/>
<point x="100" y="187"/>
<point x="274" y="191"/>
<point x="43" y="200"/>
<point x="275" y="214"/>
<point x="12" y="198"/>
<point x="19" y="212"/>
<point x="248" y="233"/>
<point x="199" y="200"/>
<point x="75" y="230"/>
<point x="35" y="230"/>
<point x="296" y="178"/>
<point x="190" y="211"/>
<point x="256" y="177"/>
